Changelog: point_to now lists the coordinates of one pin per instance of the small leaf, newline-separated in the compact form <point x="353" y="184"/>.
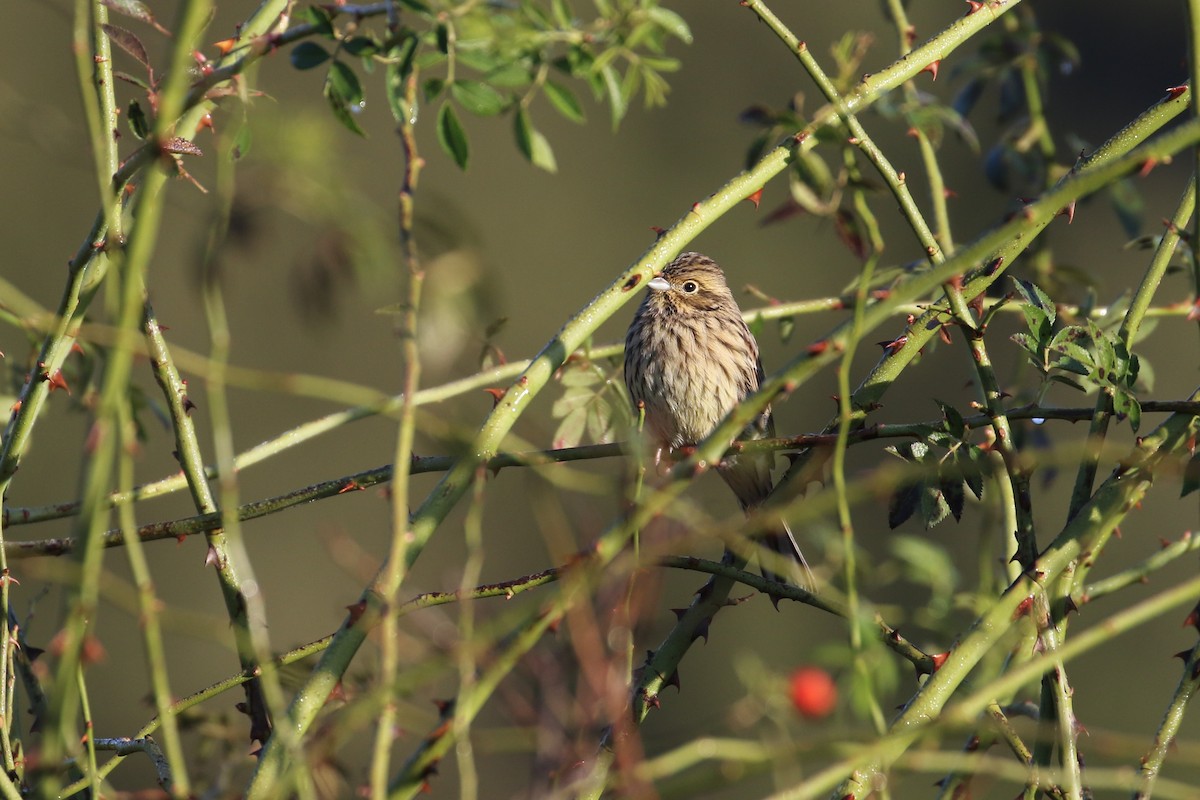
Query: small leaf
<point x="934" y="508"/>
<point x="128" y="42"/>
<point x="902" y="504"/>
<point x="582" y="376"/>
<point x="452" y="137"/>
<point x="1036" y="298"/>
<point x="478" y="98"/>
<point x="563" y="100"/>
<point x="136" y="10"/>
<point x="399" y="67"/>
<point x="345" y="83"/>
<point x="307" y="55"/>
<point x="432" y="87"/>
<point x="955" y="425"/>
<point x="532" y="143"/>
<point x="1127" y="405"/>
<point x="241" y="142"/>
<point x="670" y="22"/>
<point x="612" y="87"/>
<point x="1191" y="476"/>
<point x="320" y="18"/>
<point x="344" y="93"/>
<point x="570" y="430"/>
<point x="787" y="326"/>
<point x="137" y="120"/>
<point x="361" y="46"/>
<point x="953" y="494"/>
<point x="971" y="462"/>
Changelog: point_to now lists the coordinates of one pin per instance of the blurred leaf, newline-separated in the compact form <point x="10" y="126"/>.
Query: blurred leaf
<point x="971" y="464"/>
<point x="136" y="10"/>
<point x="1129" y="206"/>
<point x="787" y="326"/>
<point x="902" y="504"/>
<point x="563" y="100"/>
<point x="361" y="46"/>
<point x="307" y="55"/>
<point x="671" y="22"/>
<point x="532" y="143"/>
<point x="952" y="492"/>
<point x="1191" y="476"/>
<point x="934" y="508"/>
<point x="137" y="120"/>
<point x="242" y="142"/>
<point x="600" y="421"/>
<point x="127" y="41"/>
<point x="451" y="136"/>
<point x="478" y="97"/>
<point x="955" y="425"/>
<point x="319" y="18"/>
<point x="570" y="431"/>
<point x="399" y="67"/>
<point x="432" y="87"/>
<point x="925" y="563"/>
<point x="612" y="86"/>
<point x="563" y="15"/>
<point x="344" y="93"/>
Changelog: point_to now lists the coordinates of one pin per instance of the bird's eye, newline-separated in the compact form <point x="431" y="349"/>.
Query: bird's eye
<point x="690" y="287"/>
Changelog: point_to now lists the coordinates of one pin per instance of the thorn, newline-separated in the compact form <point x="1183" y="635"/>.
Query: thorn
<point x="932" y="69"/>
<point x="56" y="381"/>
<point x="1023" y="607"/>
<point x="890" y="348"/>
<point x="816" y="348"/>
<point x="938" y="660"/>
<point x="1183" y="655"/>
<point x="351" y="486"/>
<point x="673" y="681"/>
<point x="497" y="395"/>
<point x="678" y="612"/>
<point x="1069" y="604"/>
<point x="355" y="612"/>
<point x="188" y="405"/>
<point x="756" y="196"/>
<point x="225" y="46"/>
<point x="702" y="630"/>
<point x="1193" y="618"/>
<point x="1147" y="166"/>
<point x="1176" y="91"/>
<point x="973" y="6"/>
<point x="1068" y="212"/>
<point x="211" y="559"/>
<point x="658" y="232"/>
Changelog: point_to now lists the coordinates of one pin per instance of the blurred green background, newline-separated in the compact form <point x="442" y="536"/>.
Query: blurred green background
<point x="312" y="260"/>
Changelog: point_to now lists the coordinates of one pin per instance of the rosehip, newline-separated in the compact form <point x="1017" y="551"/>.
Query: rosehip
<point x="813" y="692"/>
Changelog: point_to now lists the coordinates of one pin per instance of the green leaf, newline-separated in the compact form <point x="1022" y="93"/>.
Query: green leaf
<point x="399" y="67"/>
<point x="952" y="492"/>
<point x="600" y="421"/>
<point x="431" y="88"/>
<point x="1191" y="476"/>
<point x="532" y="143"/>
<point x="955" y="425"/>
<point x="570" y="430"/>
<point x="138" y="123"/>
<point x="902" y="504"/>
<point x="612" y="87"/>
<point x="361" y="46"/>
<point x="934" y="508"/>
<point x="1036" y="298"/>
<point x="344" y="93"/>
<point x="971" y="463"/>
<point x="451" y="136"/>
<point x="562" y="13"/>
<point x="345" y="83"/>
<point x="563" y="100"/>
<point x="241" y="142"/>
<point x="1126" y="405"/>
<point x="478" y="98"/>
<point x="307" y="55"/>
<point x="127" y="41"/>
<point x="671" y="22"/>
<point x="787" y="326"/>
<point x="319" y="18"/>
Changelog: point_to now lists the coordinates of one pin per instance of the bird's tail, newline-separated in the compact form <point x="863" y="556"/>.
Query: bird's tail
<point x="781" y="550"/>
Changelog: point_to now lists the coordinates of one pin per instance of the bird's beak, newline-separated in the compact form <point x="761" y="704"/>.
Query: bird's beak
<point x="659" y="284"/>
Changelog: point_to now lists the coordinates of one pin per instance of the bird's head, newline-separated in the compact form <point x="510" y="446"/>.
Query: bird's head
<point x="692" y="282"/>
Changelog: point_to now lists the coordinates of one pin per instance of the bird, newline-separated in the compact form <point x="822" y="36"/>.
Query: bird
<point x="689" y="360"/>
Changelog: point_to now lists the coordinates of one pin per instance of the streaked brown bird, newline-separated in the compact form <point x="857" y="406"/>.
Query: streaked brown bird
<point x="690" y="359"/>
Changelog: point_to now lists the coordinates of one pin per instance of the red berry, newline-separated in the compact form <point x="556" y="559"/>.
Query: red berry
<point x="814" y="693"/>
